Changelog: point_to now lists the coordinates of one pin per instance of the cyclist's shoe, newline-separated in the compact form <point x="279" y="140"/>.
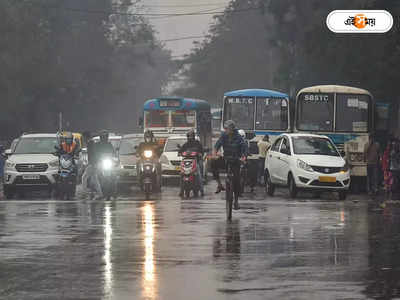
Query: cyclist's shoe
<point x="236" y="205"/>
<point x="219" y="189"/>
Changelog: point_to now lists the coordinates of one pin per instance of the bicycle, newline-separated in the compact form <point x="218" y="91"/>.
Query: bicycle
<point x="230" y="191"/>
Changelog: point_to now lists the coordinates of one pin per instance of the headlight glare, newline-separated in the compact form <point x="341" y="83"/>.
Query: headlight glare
<point x="148" y="153"/>
<point x="107" y="164"/>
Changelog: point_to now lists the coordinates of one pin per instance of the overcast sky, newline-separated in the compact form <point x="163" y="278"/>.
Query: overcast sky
<point x="182" y="26"/>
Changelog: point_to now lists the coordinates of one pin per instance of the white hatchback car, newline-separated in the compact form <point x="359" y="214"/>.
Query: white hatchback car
<point x="170" y="161"/>
<point x="306" y="161"/>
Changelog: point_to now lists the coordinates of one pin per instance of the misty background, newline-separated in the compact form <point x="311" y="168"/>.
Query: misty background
<point x="97" y="61"/>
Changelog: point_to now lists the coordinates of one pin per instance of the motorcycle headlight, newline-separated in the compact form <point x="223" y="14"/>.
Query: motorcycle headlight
<point x="107" y="164"/>
<point x="303" y="165"/>
<point x="148" y="153"/>
<point x="54" y="163"/>
<point x="9" y="165"/>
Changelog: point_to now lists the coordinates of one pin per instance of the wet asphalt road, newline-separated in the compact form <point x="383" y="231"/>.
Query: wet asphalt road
<point x="168" y="248"/>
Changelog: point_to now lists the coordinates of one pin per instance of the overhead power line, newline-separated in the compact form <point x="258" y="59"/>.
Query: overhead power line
<point x="185" y="38"/>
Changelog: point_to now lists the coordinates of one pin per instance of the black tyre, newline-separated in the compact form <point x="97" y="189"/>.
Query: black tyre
<point x="292" y="187"/>
<point x="269" y="186"/>
<point x="229" y="200"/>
<point x="187" y="193"/>
<point x="342" y="195"/>
<point x="8" y="192"/>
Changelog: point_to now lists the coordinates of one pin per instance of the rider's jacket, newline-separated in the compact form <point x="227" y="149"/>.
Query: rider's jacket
<point x="192" y="145"/>
<point x="65" y="148"/>
<point x="233" y="145"/>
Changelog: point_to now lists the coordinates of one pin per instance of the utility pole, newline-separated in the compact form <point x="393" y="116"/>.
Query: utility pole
<point x="60" y="122"/>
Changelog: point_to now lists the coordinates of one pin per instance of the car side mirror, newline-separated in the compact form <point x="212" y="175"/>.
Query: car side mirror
<point x="179" y="146"/>
<point x="342" y="153"/>
<point x="8" y="152"/>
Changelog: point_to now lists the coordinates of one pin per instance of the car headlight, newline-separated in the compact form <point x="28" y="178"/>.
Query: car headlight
<point x="107" y="164"/>
<point x="148" y="153"/>
<point x="9" y="165"/>
<point x="54" y="163"/>
<point x="164" y="160"/>
<point x="345" y="168"/>
<point x="303" y="165"/>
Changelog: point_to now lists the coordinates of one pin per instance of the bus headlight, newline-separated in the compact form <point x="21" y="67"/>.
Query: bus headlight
<point x="148" y="153"/>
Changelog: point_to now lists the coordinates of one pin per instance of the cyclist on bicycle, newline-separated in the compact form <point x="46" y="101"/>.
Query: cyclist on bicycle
<point x="234" y="147"/>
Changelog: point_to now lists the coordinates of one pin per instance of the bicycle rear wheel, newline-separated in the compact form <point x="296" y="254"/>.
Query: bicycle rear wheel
<point x="229" y="199"/>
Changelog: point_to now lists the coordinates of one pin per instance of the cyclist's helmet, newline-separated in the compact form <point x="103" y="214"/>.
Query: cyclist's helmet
<point x="242" y="133"/>
<point x="148" y="136"/>
<point x="69" y="138"/>
<point x="191" y="136"/>
<point x="104" y="136"/>
<point x="230" y="124"/>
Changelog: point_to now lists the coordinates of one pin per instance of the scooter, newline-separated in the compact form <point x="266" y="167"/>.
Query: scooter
<point x="66" y="179"/>
<point x="148" y="174"/>
<point x="189" y="173"/>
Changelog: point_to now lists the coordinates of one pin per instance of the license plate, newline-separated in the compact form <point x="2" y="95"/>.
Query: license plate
<point x="327" y="179"/>
<point x="31" y="177"/>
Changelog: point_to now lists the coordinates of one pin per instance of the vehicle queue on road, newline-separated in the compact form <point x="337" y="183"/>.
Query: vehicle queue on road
<point x="343" y="115"/>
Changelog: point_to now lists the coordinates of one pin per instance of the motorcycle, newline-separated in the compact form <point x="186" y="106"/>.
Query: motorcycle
<point x="66" y="179"/>
<point x="107" y="176"/>
<point x="189" y="173"/>
<point x="149" y="176"/>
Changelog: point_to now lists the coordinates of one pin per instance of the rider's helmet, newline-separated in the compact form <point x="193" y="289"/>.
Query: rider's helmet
<point x="104" y="136"/>
<point x="69" y="138"/>
<point x="148" y="136"/>
<point x="230" y="124"/>
<point x="191" y="136"/>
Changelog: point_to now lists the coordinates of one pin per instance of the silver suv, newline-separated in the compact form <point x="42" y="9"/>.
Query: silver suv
<point x="31" y="165"/>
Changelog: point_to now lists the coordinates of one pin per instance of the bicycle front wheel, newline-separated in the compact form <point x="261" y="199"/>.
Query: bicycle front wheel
<point x="229" y="199"/>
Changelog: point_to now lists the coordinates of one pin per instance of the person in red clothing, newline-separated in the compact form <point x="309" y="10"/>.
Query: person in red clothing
<point x="68" y="145"/>
<point x="387" y="174"/>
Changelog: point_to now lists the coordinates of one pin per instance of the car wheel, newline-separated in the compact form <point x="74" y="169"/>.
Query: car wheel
<point x="269" y="186"/>
<point x="8" y="192"/>
<point x="342" y="195"/>
<point x="292" y="187"/>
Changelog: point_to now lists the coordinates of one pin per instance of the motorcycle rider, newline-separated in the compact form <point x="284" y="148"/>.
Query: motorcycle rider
<point x="234" y="146"/>
<point x="67" y="145"/>
<point x="150" y="143"/>
<point x="196" y="146"/>
<point x="90" y="170"/>
<point x="101" y="149"/>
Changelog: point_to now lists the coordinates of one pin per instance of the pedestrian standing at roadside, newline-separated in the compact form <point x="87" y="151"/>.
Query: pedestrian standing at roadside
<point x="387" y="174"/>
<point x="263" y="147"/>
<point x="371" y="157"/>
<point x="394" y="168"/>
<point x="2" y="162"/>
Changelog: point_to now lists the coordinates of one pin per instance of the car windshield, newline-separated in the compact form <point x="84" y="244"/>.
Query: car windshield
<point x="241" y="110"/>
<point x="128" y="145"/>
<point x="313" y="145"/>
<point x="37" y="145"/>
<point x="172" y="145"/>
<point x="315" y="112"/>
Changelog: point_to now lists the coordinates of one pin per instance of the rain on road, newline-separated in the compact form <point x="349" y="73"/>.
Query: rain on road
<point x="169" y="248"/>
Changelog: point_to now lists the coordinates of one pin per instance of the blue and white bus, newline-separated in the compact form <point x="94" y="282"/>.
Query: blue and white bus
<point x="166" y="116"/>
<point x="345" y="114"/>
<point x="258" y="111"/>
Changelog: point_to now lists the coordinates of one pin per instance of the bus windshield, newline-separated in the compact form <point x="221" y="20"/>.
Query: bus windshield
<point x="352" y="112"/>
<point x="241" y="110"/>
<point x="315" y="112"/>
<point x="156" y="118"/>
<point x="183" y="118"/>
<point x="272" y="113"/>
